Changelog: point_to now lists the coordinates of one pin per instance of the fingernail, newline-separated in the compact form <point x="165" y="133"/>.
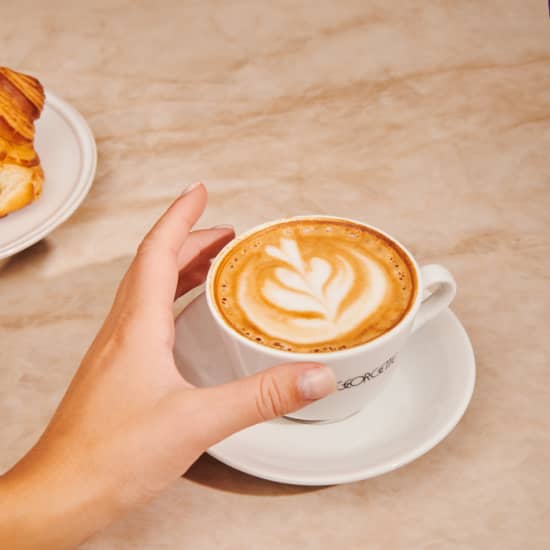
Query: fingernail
<point x="222" y="226"/>
<point x="190" y="188"/>
<point x="317" y="383"/>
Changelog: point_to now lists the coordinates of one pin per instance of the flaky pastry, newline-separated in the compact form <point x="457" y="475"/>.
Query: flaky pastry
<point x="21" y="176"/>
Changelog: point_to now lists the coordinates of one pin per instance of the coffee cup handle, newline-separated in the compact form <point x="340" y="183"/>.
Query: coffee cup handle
<point x="438" y="291"/>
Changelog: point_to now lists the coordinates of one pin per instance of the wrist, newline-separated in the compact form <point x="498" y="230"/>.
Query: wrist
<point x="46" y="503"/>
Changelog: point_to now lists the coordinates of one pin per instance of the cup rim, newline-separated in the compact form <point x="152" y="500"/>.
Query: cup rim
<point x="284" y="355"/>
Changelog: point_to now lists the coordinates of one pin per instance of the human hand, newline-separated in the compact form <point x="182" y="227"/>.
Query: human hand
<point x="129" y="424"/>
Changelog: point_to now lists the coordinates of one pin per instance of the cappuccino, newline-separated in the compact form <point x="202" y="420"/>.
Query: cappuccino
<point x="312" y="285"/>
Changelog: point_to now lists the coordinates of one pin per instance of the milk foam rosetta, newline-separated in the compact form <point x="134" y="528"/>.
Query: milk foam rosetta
<point x="312" y="285"/>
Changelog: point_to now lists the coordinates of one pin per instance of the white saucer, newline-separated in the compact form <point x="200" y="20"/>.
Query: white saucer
<point x="427" y="397"/>
<point x="68" y="155"/>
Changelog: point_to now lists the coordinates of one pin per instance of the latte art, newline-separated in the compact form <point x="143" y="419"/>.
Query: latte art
<point x="313" y="285"/>
<point x="323" y="295"/>
<point x="319" y="285"/>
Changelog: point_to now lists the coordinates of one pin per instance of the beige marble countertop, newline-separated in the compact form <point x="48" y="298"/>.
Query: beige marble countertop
<point x="430" y="119"/>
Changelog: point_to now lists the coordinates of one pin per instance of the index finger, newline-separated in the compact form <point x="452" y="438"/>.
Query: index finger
<point x="170" y="232"/>
<point x="153" y="275"/>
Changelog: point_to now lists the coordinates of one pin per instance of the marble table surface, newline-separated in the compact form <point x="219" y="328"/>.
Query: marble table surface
<point x="429" y="119"/>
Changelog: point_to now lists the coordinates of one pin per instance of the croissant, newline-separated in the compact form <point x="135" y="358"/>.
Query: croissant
<point x="21" y="176"/>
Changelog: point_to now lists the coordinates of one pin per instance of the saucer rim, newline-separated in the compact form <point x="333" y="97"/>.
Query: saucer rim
<point x="389" y="466"/>
<point x="80" y="186"/>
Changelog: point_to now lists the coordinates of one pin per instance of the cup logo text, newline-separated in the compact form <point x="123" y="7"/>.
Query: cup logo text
<point x="365" y="377"/>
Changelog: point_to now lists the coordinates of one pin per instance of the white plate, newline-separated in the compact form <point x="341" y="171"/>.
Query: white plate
<point x="424" y="401"/>
<point x="68" y="155"/>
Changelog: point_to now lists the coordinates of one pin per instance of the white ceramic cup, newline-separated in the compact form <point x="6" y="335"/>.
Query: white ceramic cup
<point x="363" y="371"/>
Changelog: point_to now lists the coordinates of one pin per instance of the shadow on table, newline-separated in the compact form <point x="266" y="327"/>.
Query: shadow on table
<point x="24" y="258"/>
<point x="213" y="473"/>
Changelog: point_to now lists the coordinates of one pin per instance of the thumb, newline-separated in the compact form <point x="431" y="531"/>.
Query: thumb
<point x="269" y="394"/>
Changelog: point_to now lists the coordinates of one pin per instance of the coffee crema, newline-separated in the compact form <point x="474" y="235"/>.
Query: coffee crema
<point x="313" y="285"/>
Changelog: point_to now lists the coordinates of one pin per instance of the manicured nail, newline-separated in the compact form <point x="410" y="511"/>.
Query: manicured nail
<point x="317" y="383"/>
<point x="190" y="188"/>
<point x="222" y="226"/>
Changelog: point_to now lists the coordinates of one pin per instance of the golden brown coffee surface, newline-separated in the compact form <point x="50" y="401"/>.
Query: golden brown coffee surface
<point x="313" y="285"/>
